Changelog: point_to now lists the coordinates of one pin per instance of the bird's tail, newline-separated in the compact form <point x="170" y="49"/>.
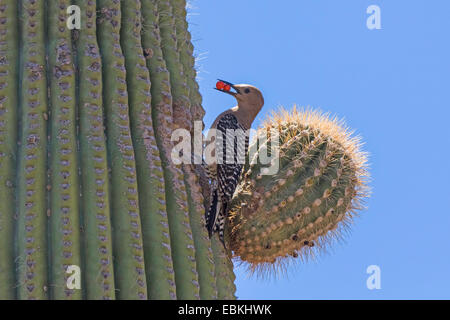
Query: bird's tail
<point x="213" y="212"/>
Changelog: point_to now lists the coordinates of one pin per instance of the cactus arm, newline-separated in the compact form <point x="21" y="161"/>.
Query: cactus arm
<point x="97" y="245"/>
<point x="158" y="261"/>
<point x="9" y="50"/>
<point x="183" y="252"/>
<point x="298" y="210"/>
<point x="64" y="194"/>
<point x="32" y="159"/>
<point x="128" y="247"/>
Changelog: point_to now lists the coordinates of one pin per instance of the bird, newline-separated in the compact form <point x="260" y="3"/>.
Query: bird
<point x="224" y="173"/>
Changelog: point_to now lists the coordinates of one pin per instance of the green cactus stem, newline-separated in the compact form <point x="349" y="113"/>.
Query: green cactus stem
<point x="9" y="50"/>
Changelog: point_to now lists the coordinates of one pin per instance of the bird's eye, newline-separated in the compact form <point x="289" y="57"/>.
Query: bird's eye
<point x="247" y="90"/>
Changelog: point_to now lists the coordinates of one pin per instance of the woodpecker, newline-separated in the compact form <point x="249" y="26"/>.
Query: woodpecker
<point x="232" y="135"/>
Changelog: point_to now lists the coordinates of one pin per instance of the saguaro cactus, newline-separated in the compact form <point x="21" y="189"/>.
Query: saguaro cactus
<point x="87" y="182"/>
<point x="86" y="177"/>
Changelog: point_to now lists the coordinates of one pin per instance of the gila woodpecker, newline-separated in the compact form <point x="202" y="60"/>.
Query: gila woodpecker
<point x="232" y="135"/>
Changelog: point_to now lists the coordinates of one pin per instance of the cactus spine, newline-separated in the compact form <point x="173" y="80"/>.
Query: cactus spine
<point x="319" y="186"/>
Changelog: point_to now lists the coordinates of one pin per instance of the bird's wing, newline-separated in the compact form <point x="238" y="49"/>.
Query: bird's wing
<point x="231" y="148"/>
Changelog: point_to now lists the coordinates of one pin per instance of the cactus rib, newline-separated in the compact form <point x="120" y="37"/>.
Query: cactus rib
<point x="97" y="236"/>
<point x="9" y="50"/>
<point x="64" y="195"/>
<point x="186" y="51"/>
<point x="158" y="261"/>
<point x="32" y="160"/>
<point x="203" y="252"/>
<point x="127" y="243"/>
<point x="180" y="91"/>
<point x="225" y="276"/>
<point x="173" y="44"/>
<point x="183" y="252"/>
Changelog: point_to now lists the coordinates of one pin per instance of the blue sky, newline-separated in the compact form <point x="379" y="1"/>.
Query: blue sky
<point x="391" y="85"/>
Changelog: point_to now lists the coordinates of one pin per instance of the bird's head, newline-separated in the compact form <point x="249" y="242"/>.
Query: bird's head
<point x="248" y="97"/>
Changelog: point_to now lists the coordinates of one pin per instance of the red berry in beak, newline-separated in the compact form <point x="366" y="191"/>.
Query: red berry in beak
<point x="227" y="87"/>
<point x="220" y="85"/>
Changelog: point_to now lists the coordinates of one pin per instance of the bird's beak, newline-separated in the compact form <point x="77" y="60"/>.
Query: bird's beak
<point x="234" y="94"/>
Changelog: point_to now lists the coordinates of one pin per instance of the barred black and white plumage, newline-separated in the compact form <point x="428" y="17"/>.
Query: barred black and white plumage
<point x="232" y="138"/>
<point x="232" y="145"/>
